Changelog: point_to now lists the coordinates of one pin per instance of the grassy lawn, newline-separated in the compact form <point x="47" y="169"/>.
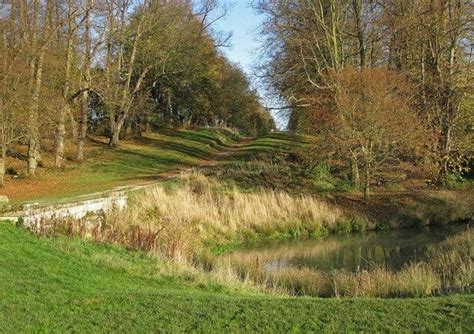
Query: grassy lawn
<point x="134" y="161"/>
<point x="57" y="285"/>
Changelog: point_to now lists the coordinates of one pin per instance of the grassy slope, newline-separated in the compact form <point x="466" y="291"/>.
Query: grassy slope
<point x="71" y="285"/>
<point x="269" y="144"/>
<point x="133" y="162"/>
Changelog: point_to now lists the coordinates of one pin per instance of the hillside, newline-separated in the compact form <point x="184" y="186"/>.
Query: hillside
<point x="145" y="159"/>
<point x="159" y="175"/>
<point x="273" y="161"/>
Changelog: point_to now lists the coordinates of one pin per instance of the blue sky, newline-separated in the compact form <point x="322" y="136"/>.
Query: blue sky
<point x="243" y="22"/>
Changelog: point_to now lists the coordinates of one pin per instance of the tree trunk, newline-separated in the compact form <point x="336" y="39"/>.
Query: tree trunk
<point x="61" y="135"/>
<point x="355" y="176"/>
<point x="33" y="141"/>
<point x="36" y="68"/>
<point x="357" y="8"/>
<point x="2" y="170"/>
<point x="444" y="147"/>
<point x="127" y="96"/>
<point x="137" y="127"/>
<point x="367" y="182"/>
<point x="82" y="130"/>
<point x="114" y="137"/>
<point x="83" y="121"/>
<point x="73" y="125"/>
<point x="168" y="108"/>
<point x="115" y="131"/>
<point x="3" y="151"/>
<point x="148" y="125"/>
<point x="128" y="134"/>
<point x="61" y="125"/>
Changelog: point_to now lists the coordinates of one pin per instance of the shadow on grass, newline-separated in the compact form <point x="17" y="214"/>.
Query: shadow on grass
<point x="140" y="164"/>
<point x="200" y="136"/>
<point x="291" y="138"/>
<point x="176" y="147"/>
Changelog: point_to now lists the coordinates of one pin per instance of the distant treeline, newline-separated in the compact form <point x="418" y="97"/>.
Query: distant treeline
<point x="117" y="68"/>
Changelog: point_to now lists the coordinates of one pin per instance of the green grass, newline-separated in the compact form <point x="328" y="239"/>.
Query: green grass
<point x="141" y="160"/>
<point x="273" y="143"/>
<point x="57" y="285"/>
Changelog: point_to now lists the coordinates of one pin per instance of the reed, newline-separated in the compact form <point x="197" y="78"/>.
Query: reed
<point x="449" y="268"/>
<point x="453" y="261"/>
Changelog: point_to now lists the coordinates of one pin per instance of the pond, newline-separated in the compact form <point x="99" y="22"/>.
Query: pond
<point x="354" y="252"/>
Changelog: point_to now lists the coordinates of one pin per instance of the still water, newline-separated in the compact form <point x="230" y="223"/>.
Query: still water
<point x="354" y="252"/>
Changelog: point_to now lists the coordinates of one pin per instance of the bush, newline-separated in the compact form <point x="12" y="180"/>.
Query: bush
<point x="382" y="226"/>
<point x="410" y="219"/>
<point x="343" y="226"/>
<point x="20" y="221"/>
<point x="456" y="181"/>
<point x="359" y="224"/>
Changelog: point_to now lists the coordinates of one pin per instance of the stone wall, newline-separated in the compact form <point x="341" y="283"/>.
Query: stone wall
<point x="31" y="214"/>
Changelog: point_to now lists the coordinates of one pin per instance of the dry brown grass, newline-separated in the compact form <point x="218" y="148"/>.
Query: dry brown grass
<point x="199" y="213"/>
<point x="453" y="261"/>
<point x="414" y="280"/>
<point x="180" y="223"/>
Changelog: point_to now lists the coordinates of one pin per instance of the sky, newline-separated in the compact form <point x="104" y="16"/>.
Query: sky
<point x="243" y="22"/>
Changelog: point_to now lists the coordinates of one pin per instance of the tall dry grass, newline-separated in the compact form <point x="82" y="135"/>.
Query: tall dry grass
<point x="180" y="223"/>
<point x="414" y="280"/>
<point x="200" y="213"/>
<point x="453" y="261"/>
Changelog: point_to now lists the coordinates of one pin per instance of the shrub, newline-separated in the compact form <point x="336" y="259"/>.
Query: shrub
<point x="20" y="221"/>
<point x="382" y="226"/>
<point x="410" y="219"/>
<point x="456" y="181"/>
<point x="359" y="224"/>
<point x="343" y="226"/>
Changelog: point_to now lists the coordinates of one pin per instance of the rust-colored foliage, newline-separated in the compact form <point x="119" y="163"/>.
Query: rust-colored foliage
<point x="375" y="122"/>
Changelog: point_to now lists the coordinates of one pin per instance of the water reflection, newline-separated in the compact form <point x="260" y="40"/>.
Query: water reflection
<point x="390" y="249"/>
